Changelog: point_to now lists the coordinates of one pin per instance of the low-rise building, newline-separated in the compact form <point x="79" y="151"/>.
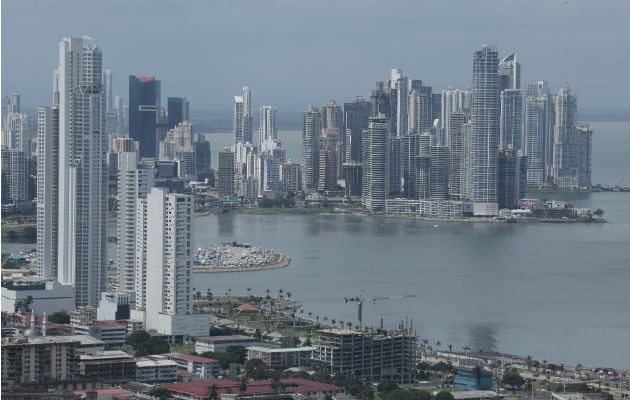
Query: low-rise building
<point x="114" y="367"/>
<point x="473" y="379"/>
<point x="113" y="333"/>
<point x="262" y="389"/>
<point x="156" y="370"/>
<point x="282" y="358"/>
<point x="36" y="359"/>
<point x="204" y="368"/>
<point x="83" y="315"/>
<point x="218" y="344"/>
<point x="48" y="296"/>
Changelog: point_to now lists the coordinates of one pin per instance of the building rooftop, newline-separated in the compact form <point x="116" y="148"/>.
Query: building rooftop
<point x="192" y="358"/>
<point x="84" y="340"/>
<point x="225" y="339"/>
<point x="201" y="389"/>
<point x="282" y="350"/>
<point x="474" y="394"/>
<point x="106" y="355"/>
<point x="145" y="363"/>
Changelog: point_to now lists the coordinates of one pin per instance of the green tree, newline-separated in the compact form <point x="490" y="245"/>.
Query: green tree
<point x="513" y="379"/>
<point x="160" y="393"/>
<point x="444" y="395"/>
<point x="599" y="212"/>
<point x="242" y="386"/>
<point x="59" y="317"/>
<point x="256" y="369"/>
<point x="387" y="386"/>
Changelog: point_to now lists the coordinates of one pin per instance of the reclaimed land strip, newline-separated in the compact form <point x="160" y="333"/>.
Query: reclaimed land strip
<point x="282" y="262"/>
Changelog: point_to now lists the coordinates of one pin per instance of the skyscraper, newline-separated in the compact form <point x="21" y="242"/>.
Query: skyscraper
<point x="47" y="190"/>
<point x="565" y="141"/>
<point x="178" y="111"/>
<point x="511" y="125"/>
<point x="243" y="117"/>
<point x="400" y="84"/>
<point x="537" y="133"/>
<point x="167" y="238"/>
<point x="144" y="113"/>
<point x="585" y="154"/>
<point x="355" y="120"/>
<point x="485" y="135"/>
<point x="82" y="211"/>
<point x="509" y="73"/>
<point x="376" y="164"/>
<point x="134" y="182"/>
<point x="227" y="161"/>
<point x="311" y="128"/>
<point x="268" y="133"/>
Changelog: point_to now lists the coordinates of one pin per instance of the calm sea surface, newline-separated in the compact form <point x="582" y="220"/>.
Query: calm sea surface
<point x="559" y="292"/>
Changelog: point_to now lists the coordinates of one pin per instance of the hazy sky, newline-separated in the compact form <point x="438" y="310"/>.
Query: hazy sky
<point x="294" y="53"/>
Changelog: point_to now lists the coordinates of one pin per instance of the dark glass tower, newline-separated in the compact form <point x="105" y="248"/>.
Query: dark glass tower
<point x="144" y="113"/>
<point x="177" y="111"/>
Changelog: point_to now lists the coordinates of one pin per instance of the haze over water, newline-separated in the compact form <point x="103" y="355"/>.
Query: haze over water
<point x="559" y="292"/>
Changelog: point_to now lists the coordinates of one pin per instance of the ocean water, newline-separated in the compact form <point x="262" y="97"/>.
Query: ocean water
<point x="559" y="292"/>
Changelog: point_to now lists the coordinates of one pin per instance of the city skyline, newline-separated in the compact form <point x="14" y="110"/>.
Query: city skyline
<point x="549" y="37"/>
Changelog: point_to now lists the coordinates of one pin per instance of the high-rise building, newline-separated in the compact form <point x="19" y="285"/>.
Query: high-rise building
<point x="15" y="182"/>
<point x="311" y="128"/>
<point x="291" y="177"/>
<point x="537" y="132"/>
<point x="356" y="115"/>
<point x="144" y="113"/>
<point x="268" y="133"/>
<point x="410" y="147"/>
<point x="243" y="117"/>
<point x="82" y="205"/>
<point x="47" y="190"/>
<point x="438" y="173"/>
<point x="108" y="88"/>
<point x="376" y="164"/>
<point x="134" y="181"/>
<point x="512" y="178"/>
<point x="485" y="135"/>
<point x="457" y="154"/>
<point x="203" y="157"/>
<point x="565" y="144"/>
<point x="511" y="125"/>
<point x="509" y="73"/>
<point x="328" y="165"/>
<point x="400" y="84"/>
<point x="178" y="111"/>
<point x="585" y="154"/>
<point x="225" y="184"/>
<point x="168" y="292"/>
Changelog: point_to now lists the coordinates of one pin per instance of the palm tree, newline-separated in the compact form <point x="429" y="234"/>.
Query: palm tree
<point x="334" y="322"/>
<point x="280" y="291"/>
<point x="249" y="292"/>
<point x="289" y="294"/>
<point x="341" y="324"/>
<point x="478" y="373"/>
<point x="268" y="291"/>
<point x="214" y="395"/>
<point x="466" y="349"/>
<point x="450" y="348"/>
<point x="349" y="325"/>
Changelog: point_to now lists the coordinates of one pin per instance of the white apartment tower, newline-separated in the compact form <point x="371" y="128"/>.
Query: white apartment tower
<point x="376" y="164"/>
<point x="47" y="190"/>
<point x="133" y="182"/>
<point x="243" y="117"/>
<point x="82" y="178"/>
<point x="268" y="133"/>
<point x="485" y="133"/>
<point x="167" y="240"/>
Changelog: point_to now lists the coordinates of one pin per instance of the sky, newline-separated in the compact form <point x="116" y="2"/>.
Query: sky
<point x="295" y="53"/>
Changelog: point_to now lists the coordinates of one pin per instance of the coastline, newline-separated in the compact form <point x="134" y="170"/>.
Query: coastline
<point x="283" y="262"/>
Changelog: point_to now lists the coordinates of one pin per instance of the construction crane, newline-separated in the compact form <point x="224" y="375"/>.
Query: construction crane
<point x="360" y="300"/>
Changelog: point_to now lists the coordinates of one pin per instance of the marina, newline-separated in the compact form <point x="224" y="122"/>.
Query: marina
<point x="237" y="257"/>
